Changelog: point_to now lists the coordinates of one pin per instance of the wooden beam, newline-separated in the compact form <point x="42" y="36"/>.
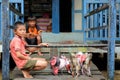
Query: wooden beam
<point x="5" y="39"/>
<point x="96" y="28"/>
<point x="55" y="16"/>
<point x="70" y="45"/>
<point x="105" y="6"/>
<point x="111" y="39"/>
<point x="12" y="8"/>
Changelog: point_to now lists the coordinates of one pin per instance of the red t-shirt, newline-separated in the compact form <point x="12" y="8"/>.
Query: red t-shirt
<point x="17" y="44"/>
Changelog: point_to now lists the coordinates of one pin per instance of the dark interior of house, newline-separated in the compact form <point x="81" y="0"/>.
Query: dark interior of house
<point x="39" y="8"/>
<point x="65" y="15"/>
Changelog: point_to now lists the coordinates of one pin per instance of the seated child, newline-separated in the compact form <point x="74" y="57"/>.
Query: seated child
<point x="34" y="33"/>
<point x="22" y="60"/>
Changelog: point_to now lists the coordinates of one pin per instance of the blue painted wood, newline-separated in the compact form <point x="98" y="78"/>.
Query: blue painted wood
<point x="97" y="1"/>
<point x="72" y="16"/>
<point x="101" y="22"/>
<point x="88" y="24"/>
<point x="22" y="10"/>
<point x="95" y="22"/>
<point x="55" y="16"/>
<point x="83" y="16"/>
<point x="111" y="39"/>
<point x="101" y="1"/>
<point x="96" y="39"/>
<point x="118" y="26"/>
<point x="119" y="19"/>
<point x="11" y="23"/>
<point x="118" y="38"/>
<point x="0" y="23"/>
<point x="84" y="21"/>
<point x="12" y="15"/>
<point x="16" y="16"/>
<point x="91" y="21"/>
<point x="5" y="40"/>
<point x="13" y="1"/>
<point x="106" y="20"/>
<point x="5" y="16"/>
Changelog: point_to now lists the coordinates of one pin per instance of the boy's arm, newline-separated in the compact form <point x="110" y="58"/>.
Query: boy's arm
<point x="21" y="56"/>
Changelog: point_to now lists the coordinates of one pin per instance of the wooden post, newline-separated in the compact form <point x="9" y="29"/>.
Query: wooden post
<point x="55" y="16"/>
<point x="5" y="39"/>
<point x="111" y="39"/>
<point x="85" y="21"/>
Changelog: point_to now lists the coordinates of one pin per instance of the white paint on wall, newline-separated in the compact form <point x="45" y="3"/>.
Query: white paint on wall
<point x="77" y="4"/>
<point x="78" y="21"/>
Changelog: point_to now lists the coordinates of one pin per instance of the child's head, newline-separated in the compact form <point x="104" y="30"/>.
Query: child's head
<point x="19" y="29"/>
<point x="31" y="21"/>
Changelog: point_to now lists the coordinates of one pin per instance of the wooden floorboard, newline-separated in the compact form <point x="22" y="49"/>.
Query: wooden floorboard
<point x="46" y="74"/>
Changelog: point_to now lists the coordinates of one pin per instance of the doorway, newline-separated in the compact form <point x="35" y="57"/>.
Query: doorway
<point x="65" y="15"/>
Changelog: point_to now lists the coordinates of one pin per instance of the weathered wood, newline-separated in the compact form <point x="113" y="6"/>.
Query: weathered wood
<point x="97" y="28"/>
<point x="63" y="75"/>
<point x="46" y="74"/>
<point x="111" y="39"/>
<point x="105" y="6"/>
<point x="5" y="40"/>
<point x="55" y="16"/>
<point x="12" y="8"/>
<point x="55" y="45"/>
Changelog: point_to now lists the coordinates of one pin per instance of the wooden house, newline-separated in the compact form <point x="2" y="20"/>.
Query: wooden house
<point x="80" y="21"/>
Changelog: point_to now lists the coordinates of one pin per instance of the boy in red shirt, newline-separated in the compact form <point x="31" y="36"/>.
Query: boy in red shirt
<point x="23" y="61"/>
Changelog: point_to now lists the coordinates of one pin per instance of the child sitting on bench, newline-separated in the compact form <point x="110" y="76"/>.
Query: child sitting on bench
<point x="34" y="32"/>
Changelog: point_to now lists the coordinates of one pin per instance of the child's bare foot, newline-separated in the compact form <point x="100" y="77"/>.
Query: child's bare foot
<point x="26" y="74"/>
<point x="40" y="54"/>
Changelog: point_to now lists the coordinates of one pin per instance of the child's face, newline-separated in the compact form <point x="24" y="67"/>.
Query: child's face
<point x="20" y="31"/>
<point x="31" y="23"/>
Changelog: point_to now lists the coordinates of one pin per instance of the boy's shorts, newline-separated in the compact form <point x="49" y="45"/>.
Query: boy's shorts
<point x="29" y="65"/>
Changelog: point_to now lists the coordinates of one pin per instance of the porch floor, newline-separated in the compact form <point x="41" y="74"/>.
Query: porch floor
<point x="46" y="74"/>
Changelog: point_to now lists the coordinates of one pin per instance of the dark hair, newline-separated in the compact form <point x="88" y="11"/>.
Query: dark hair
<point x="32" y="18"/>
<point x="17" y="23"/>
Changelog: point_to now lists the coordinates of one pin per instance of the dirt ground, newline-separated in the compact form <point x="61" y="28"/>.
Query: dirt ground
<point x="102" y="65"/>
<point x="117" y="74"/>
